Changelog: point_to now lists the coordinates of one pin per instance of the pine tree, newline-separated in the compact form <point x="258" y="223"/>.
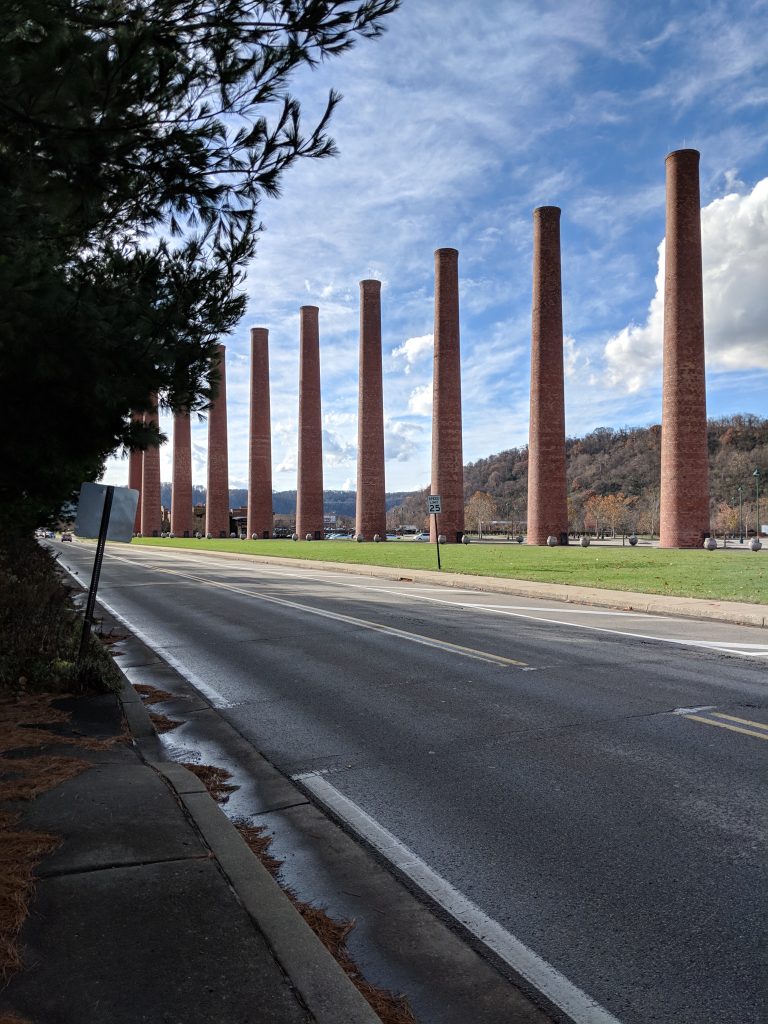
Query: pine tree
<point x="137" y="138"/>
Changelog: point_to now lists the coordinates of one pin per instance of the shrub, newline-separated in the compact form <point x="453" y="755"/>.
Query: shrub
<point x="40" y="628"/>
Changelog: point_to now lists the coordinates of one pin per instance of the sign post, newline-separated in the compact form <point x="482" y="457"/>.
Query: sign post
<point x="113" y="509"/>
<point x="434" y="507"/>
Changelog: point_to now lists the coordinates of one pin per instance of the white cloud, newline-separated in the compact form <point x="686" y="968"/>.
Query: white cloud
<point x="574" y="359"/>
<point x="348" y="485"/>
<point x="402" y="440"/>
<point x="735" y="256"/>
<point x="420" y="401"/>
<point x="288" y="465"/>
<point x="339" y="419"/>
<point x="414" y="349"/>
<point x="336" y="450"/>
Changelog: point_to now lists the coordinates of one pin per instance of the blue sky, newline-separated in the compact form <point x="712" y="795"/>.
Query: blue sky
<point x="454" y="125"/>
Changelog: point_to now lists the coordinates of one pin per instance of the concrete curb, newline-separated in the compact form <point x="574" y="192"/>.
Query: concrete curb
<point x="324" y="987"/>
<point x="735" y="612"/>
<point x="326" y="990"/>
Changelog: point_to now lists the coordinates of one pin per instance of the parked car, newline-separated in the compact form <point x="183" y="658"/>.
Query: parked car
<point x="66" y="535"/>
<point x="421" y="536"/>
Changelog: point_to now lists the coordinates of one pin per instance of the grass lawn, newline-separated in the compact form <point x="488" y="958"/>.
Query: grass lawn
<point x="721" y="575"/>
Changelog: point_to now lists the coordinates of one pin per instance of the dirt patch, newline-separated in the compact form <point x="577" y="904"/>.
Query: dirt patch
<point x="151" y="694"/>
<point x="23" y="777"/>
<point x="214" y="779"/>
<point x="20" y="853"/>
<point x="391" y="1007"/>
<point x="259" y="841"/>
<point x="163" y="723"/>
<point x="112" y="638"/>
<point x="22" y="720"/>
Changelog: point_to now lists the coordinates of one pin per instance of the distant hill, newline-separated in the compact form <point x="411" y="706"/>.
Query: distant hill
<point x="626" y="461"/>
<point x="604" y="462"/>
<point x="342" y="503"/>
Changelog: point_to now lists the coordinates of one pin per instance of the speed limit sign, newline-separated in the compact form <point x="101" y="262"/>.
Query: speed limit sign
<point x="433" y="504"/>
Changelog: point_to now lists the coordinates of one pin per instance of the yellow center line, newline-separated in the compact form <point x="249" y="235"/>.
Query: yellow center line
<point x="742" y="721"/>
<point x="724" y="725"/>
<point x="378" y="627"/>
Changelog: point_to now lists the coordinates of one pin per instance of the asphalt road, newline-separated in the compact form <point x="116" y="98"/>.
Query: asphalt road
<point x="534" y="756"/>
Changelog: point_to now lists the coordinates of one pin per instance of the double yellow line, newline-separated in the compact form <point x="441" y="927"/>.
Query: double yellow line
<point x="757" y="729"/>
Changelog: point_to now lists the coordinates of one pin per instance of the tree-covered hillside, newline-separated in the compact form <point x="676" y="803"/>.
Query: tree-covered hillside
<point x="613" y="477"/>
<point x="613" y="481"/>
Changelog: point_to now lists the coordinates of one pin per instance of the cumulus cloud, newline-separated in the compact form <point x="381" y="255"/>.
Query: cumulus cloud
<point x="574" y="360"/>
<point x="734" y="233"/>
<point x="339" y="419"/>
<point x="401" y="440"/>
<point x="288" y="465"/>
<point x="420" y="401"/>
<point x="336" y="450"/>
<point x="414" y="349"/>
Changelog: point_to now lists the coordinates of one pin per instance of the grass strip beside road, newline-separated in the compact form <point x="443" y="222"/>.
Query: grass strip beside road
<point x="718" y="575"/>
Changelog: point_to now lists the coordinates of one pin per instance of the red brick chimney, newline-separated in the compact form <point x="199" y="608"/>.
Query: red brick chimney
<point x="371" y="512"/>
<point x="260" y="440"/>
<point x="447" y="457"/>
<point x="309" y="488"/>
<point x="217" y="492"/>
<point x="684" y="505"/>
<point x="547" y="491"/>
<point x="181" y="493"/>
<point x="151" y="515"/>
<point x="135" y="469"/>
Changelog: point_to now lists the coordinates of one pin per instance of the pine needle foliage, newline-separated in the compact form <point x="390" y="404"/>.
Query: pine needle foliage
<point x="137" y="138"/>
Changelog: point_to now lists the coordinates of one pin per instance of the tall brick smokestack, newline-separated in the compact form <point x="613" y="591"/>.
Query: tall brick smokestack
<point x="309" y="489"/>
<point x="684" y="506"/>
<point x="135" y="469"/>
<point x="181" y="491"/>
<point x="217" y="493"/>
<point x="371" y="512"/>
<point x="447" y="455"/>
<point x="260" y="440"/>
<point x="547" y="490"/>
<point x="151" y="515"/>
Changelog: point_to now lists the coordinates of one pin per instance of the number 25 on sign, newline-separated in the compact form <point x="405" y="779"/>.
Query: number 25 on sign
<point x="433" y="505"/>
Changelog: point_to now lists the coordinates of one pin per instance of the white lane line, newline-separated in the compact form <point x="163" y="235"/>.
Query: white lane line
<point x="183" y="669"/>
<point x="524" y="612"/>
<point x="577" y="611"/>
<point x="722" y="647"/>
<point x="416" y="590"/>
<point x="546" y="979"/>
<point x="377" y="627"/>
<point x="692" y="711"/>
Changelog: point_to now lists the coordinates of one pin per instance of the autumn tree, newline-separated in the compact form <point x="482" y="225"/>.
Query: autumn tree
<point x="481" y="508"/>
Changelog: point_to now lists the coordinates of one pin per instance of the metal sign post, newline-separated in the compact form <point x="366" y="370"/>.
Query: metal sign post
<point x="106" y="513"/>
<point x="100" y="545"/>
<point x="434" y="507"/>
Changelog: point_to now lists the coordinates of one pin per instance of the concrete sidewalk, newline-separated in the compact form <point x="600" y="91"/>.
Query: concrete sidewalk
<point x="153" y="909"/>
